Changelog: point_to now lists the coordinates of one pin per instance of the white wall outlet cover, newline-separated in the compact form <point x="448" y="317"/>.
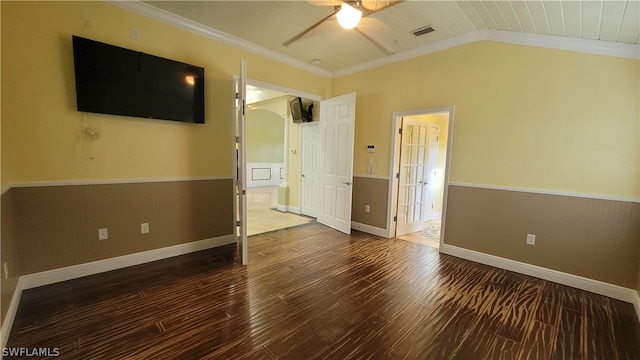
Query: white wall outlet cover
<point x="144" y="228"/>
<point x="531" y="239"/>
<point x="103" y="234"/>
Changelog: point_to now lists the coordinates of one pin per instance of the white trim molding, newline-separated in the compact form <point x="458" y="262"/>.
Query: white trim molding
<point x="7" y="323"/>
<point x="599" y="47"/>
<point x="636" y="304"/>
<point x="95" y="267"/>
<point x="76" y="271"/>
<point x="114" y="181"/>
<point x="370" y="176"/>
<point x="589" y="46"/>
<point x="166" y="17"/>
<point x="370" y="229"/>
<point x="546" y="192"/>
<point x="595" y="286"/>
<point x="289" y="209"/>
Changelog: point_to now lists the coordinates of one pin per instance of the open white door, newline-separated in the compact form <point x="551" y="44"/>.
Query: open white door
<point x="413" y="176"/>
<point x="310" y="170"/>
<point x="418" y="159"/>
<point x="337" y="124"/>
<point x="241" y="154"/>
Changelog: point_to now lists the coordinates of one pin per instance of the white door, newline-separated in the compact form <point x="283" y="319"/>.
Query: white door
<point x="310" y="170"/>
<point x="412" y="192"/>
<point x="433" y="135"/>
<point x="337" y="124"/>
<point x="241" y="164"/>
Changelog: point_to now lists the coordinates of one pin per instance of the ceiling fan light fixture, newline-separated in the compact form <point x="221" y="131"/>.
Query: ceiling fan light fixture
<point x="348" y="16"/>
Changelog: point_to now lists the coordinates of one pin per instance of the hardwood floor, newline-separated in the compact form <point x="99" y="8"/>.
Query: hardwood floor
<point x="313" y="293"/>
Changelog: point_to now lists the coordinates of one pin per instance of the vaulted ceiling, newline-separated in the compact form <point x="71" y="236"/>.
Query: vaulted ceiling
<point x="268" y="24"/>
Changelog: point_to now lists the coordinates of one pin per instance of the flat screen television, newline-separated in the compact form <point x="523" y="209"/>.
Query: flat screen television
<point x="118" y="81"/>
<point x="297" y="110"/>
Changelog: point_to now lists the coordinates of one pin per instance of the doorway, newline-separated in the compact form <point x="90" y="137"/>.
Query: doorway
<point x="420" y="163"/>
<point x="337" y="123"/>
<point x="272" y="151"/>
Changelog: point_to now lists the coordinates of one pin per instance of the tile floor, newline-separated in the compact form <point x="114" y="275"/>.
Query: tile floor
<point x="430" y="236"/>
<point x="262" y="214"/>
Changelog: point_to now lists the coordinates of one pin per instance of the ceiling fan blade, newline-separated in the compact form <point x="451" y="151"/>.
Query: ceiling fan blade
<point x="306" y="31"/>
<point x="378" y="34"/>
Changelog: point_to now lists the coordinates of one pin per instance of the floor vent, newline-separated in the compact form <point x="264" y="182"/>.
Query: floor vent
<point x="422" y="31"/>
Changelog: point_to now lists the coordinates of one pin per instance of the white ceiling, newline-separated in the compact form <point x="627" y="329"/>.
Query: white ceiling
<point x="268" y="24"/>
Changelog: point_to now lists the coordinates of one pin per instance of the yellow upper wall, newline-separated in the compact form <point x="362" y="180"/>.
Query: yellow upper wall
<point x="41" y="127"/>
<point x="265" y="137"/>
<point x="525" y="117"/>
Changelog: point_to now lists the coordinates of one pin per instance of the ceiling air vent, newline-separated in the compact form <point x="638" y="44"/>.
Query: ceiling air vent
<point x="422" y="31"/>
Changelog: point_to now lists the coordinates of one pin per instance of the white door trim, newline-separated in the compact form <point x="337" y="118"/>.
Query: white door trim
<point x="392" y="200"/>
<point x="304" y="195"/>
<point x="241" y="178"/>
<point x="429" y="162"/>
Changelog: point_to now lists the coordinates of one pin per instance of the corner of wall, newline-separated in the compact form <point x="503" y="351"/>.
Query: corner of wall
<point x="10" y="286"/>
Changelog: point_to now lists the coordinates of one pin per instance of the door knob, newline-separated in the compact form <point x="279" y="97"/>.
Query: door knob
<point x="347" y="182"/>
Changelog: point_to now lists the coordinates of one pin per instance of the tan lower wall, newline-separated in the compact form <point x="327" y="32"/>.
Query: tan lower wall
<point x="9" y="245"/>
<point x="58" y="225"/>
<point x="596" y="239"/>
<point x="638" y="284"/>
<point x="372" y="192"/>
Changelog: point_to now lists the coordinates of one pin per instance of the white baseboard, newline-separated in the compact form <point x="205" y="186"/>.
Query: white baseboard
<point x="369" y="229"/>
<point x="595" y="286"/>
<point x="7" y="324"/>
<point x="95" y="267"/>
<point x="636" y="304"/>
<point x="291" y="209"/>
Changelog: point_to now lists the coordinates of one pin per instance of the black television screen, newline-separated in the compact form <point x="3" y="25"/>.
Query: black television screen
<point x="119" y="81"/>
<point x="297" y="111"/>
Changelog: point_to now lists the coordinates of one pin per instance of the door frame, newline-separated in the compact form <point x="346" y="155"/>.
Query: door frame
<point x="429" y="164"/>
<point x="292" y="92"/>
<point x="234" y="88"/>
<point x="392" y="201"/>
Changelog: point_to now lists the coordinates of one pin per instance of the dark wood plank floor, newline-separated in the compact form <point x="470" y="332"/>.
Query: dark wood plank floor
<point x="313" y="293"/>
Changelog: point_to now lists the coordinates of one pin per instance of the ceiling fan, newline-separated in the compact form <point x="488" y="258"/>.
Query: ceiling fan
<point x="354" y="15"/>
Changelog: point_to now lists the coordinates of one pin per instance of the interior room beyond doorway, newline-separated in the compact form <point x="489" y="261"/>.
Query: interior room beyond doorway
<point x="421" y="153"/>
<point x="262" y="213"/>
<point x="272" y="166"/>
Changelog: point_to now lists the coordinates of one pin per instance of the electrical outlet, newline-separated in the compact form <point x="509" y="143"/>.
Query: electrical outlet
<point x="531" y="239"/>
<point x="144" y="228"/>
<point x="6" y="271"/>
<point x="103" y="234"/>
<point x="367" y="208"/>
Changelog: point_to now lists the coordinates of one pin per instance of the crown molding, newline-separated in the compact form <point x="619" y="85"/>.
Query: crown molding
<point x="166" y="17"/>
<point x="589" y="46"/>
<point x="598" y="47"/>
